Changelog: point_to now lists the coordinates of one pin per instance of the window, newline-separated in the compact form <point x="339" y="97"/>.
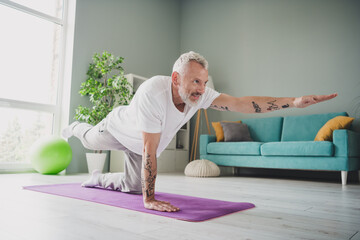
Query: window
<point x="32" y="76"/>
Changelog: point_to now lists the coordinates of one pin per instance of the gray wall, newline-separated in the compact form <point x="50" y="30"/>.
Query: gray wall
<point x="254" y="47"/>
<point x="146" y="33"/>
<point x="277" y="48"/>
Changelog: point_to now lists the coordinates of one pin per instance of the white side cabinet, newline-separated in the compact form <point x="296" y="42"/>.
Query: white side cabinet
<point x="173" y="159"/>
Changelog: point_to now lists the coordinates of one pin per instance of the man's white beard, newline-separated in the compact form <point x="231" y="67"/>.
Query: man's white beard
<point x="185" y="97"/>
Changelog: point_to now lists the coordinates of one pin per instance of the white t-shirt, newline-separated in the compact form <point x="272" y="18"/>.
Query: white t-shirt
<point x="152" y="110"/>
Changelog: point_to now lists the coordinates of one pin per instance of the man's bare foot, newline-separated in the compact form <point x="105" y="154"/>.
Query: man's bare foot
<point x="68" y="131"/>
<point x="93" y="181"/>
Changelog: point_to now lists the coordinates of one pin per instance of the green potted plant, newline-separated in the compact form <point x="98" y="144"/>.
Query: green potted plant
<point x="107" y="87"/>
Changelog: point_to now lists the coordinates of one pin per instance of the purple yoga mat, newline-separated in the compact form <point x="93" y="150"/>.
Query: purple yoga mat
<point x="192" y="209"/>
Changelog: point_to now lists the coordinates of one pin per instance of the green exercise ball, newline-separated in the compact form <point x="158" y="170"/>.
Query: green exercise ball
<point x="50" y="155"/>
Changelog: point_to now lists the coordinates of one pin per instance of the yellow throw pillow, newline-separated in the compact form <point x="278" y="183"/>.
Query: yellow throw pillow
<point x="339" y="122"/>
<point x="219" y="132"/>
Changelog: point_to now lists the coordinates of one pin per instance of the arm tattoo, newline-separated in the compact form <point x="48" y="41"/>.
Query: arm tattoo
<point x="272" y="106"/>
<point x="220" y="108"/>
<point x="285" y="106"/>
<point x="149" y="182"/>
<point x="256" y="107"/>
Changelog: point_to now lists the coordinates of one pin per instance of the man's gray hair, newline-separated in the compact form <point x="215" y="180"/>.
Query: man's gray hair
<point x="186" y="58"/>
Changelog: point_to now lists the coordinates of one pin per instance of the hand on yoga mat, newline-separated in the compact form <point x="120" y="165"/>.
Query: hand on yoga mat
<point x="161" y="206"/>
<point x="305" y="101"/>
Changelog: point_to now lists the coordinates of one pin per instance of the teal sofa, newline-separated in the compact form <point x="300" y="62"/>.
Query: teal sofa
<point x="288" y="143"/>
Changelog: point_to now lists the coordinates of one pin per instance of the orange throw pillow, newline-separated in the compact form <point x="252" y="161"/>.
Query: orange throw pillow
<point x="339" y="122"/>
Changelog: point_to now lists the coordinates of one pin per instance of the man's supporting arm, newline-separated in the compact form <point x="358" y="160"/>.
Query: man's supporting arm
<point x="265" y="104"/>
<point x="149" y="173"/>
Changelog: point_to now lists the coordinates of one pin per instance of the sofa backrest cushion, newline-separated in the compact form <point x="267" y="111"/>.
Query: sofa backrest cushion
<point x="265" y="129"/>
<point x="305" y="127"/>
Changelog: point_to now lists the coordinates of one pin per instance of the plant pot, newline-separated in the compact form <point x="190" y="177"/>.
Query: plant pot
<point x="95" y="161"/>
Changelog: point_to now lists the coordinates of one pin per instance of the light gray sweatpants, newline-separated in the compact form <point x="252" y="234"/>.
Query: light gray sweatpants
<point x="98" y="138"/>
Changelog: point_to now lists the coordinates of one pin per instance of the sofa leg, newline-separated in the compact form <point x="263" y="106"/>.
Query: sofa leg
<point x="343" y="177"/>
<point x="236" y="171"/>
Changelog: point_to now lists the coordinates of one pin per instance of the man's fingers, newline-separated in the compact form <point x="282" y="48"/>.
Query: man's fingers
<point x="321" y="98"/>
<point x="305" y="101"/>
<point x="166" y="209"/>
<point x="331" y="96"/>
<point x="170" y="208"/>
<point x="163" y="206"/>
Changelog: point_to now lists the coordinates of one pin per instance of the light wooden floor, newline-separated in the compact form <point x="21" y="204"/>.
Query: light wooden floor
<point x="285" y="209"/>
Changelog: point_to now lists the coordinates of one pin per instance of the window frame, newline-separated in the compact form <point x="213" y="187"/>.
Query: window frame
<point x="60" y="109"/>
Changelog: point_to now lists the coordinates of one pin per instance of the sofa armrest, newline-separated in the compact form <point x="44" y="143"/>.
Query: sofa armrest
<point x="347" y="143"/>
<point x="204" y="141"/>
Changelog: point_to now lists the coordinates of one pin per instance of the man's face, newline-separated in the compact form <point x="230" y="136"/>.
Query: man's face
<point x="192" y="83"/>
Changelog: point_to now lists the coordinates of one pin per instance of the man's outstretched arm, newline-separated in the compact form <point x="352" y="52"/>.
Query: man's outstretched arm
<point x="149" y="173"/>
<point x="265" y="104"/>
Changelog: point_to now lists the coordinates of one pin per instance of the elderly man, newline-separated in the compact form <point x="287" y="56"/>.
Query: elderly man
<point x="159" y="108"/>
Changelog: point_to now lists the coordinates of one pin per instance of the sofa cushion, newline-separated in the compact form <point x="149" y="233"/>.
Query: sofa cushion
<point x="305" y="128"/>
<point x="234" y="148"/>
<point x="236" y="132"/>
<point x="299" y="148"/>
<point x="265" y="129"/>
<point x="219" y="132"/>
<point x="340" y="122"/>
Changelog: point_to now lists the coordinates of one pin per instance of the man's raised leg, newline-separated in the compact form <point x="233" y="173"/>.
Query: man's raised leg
<point x="93" y="137"/>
